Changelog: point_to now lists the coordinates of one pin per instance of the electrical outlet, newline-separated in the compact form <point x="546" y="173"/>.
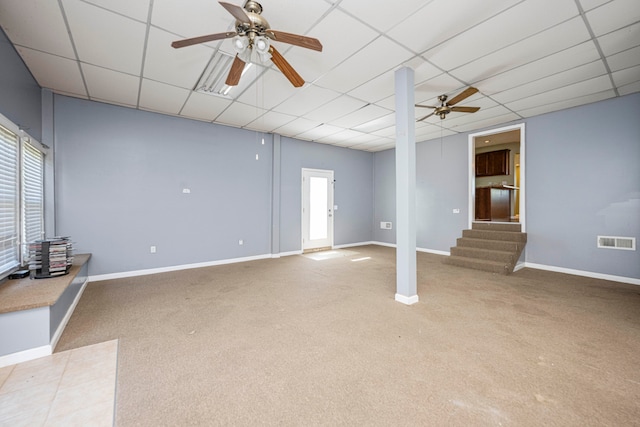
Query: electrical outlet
<point x="152" y="249"/>
<point x="241" y="242"/>
<point x="456" y="211"/>
<point x="385" y="225"/>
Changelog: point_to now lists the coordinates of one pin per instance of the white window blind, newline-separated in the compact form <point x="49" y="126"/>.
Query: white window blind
<point x="32" y="195"/>
<point x="9" y="250"/>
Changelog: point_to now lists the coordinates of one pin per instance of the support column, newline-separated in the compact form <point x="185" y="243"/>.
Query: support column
<point x="275" y="198"/>
<point x="406" y="266"/>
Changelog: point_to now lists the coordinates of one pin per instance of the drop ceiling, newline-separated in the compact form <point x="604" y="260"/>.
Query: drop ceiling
<point x="526" y="57"/>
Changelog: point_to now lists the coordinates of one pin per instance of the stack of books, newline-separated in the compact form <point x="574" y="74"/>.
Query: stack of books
<point x="50" y="257"/>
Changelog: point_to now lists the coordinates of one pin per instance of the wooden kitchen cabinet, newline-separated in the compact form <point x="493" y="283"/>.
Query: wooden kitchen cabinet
<point x="492" y="163"/>
<point x="493" y="204"/>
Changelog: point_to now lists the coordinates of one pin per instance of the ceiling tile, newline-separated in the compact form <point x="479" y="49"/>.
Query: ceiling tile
<point x="138" y="9"/>
<point x="109" y="85"/>
<point x="595" y="85"/>
<point x="388" y="132"/>
<point x="341" y="138"/>
<point x="377" y="124"/>
<point x="427" y="92"/>
<point x="45" y="31"/>
<point x="626" y="76"/>
<point x="178" y="67"/>
<point x="287" y="16"/>
<point x="54" y="72"/>
<point x="613" y="16"/>
<point x="306" y="99"/>
<point x="269" y="121"/>
<point x="630" y="88"/>
<point x="360" y="116"/>
<point x="268" y="90"/>
<point x="568" y="103"/>
<point x="620" y="40"/>
<point x="163" y="98"/>
<point x="191" y="19"/>
<point x="556" y="39"/>
<point x="311" y="64"/>
<point x="335" y="108"/>
<point x="555" y="81"/>
<point x="297" y="126"/>
<point x="239" y="114"/>
<point x="365" y="65"/>
<point x="319" y="132"/>
<point x="385" y="14"/>
<point x="202" y="106"/>
<point x="489" y="36"/>
<point x="626" y="59"/>
<point x="96" y="41"/>
<point x="587" y="5"/>
<point x="558" y="62"/>
<point x="438" y="21"/>
<point x="490" y="120"/>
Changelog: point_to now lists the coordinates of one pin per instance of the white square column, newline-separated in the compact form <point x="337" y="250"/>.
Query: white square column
<point x="406" y="265"/>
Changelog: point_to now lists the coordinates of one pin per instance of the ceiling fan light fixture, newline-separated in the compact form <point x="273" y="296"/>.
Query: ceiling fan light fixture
<point x="240" y="44"/>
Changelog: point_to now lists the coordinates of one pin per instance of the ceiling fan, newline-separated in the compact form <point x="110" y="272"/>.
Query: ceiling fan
<point x="446" y="107"/>
<point x="252" y="42"/>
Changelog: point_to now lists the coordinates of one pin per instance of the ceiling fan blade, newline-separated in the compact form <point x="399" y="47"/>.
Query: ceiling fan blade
<point x="285" y="67"/>
<point x="295" y="39"/>
<point x="235" y="72"/>
<point x="465" y="109"/>
<point x="236" y="11"/>
<point x="462" y="95"/>
<point x="202" y="39"/>
<point x="425" y="117"/>
<point x="425" y="106"/>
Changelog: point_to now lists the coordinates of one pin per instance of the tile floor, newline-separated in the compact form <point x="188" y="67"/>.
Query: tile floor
<point x="75" y="387"/>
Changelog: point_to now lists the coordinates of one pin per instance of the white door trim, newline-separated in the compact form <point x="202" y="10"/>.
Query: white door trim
<point x="472" y="168"/>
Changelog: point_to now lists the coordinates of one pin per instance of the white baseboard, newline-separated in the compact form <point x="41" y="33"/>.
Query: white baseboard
<point x="407" y="300"/>
<point x="389" y="245"/>
<point x="289" y="253"/>
<point x="351" y="245"/>
<point x="591" y="274"/>
<point x="26" y="355"/>
<point x="433" y="251"/>
<point x="174" y="268"/>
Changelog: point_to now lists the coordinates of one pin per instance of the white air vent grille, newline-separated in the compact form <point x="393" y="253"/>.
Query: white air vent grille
<point x="615" y="242"/>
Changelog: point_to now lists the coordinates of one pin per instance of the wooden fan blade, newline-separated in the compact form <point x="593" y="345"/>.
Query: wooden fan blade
<point x="462" y="95"/>
<point x="465" y="109"/>
<point x="285" y="67"/>
<point x="295" y="39"/>
<point x="425" y="106"/>
<point x="425" y="117"/>
<point x="237" y="12"/>
<point x="235" y="72"/>
<point x="202" y="39"/>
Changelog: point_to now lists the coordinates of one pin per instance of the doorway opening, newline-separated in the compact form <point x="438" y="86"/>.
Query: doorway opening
<point x="497" y="176"/>
<point x="317" y="209"/>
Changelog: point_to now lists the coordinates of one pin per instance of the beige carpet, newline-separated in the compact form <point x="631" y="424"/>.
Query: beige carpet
<point x="295" y="341"/>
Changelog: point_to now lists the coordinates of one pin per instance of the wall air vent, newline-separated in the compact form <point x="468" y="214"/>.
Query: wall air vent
<point x="615" y="242"/>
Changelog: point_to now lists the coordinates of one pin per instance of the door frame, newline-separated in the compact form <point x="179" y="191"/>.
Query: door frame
<point x="330" y="200"/>
<point x="472" y="171"/>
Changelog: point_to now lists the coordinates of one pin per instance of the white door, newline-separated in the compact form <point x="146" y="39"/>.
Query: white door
<point x="317" y="209"/>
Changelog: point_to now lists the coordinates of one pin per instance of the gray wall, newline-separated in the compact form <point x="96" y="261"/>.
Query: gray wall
<point x="19" y="92"/>
<point x="582" y="180"/>
<point x="353" y="191"/>
<point x="120" y="175"/>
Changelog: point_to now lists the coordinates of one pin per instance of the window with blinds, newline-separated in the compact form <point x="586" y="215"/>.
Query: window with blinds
<point x="21" y="198"/>
<point x="32" y="196"/>
<point x="9" y="221"/>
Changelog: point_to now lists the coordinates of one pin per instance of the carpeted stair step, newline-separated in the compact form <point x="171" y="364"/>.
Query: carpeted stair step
<point x="509" y="236"/>
<point x="493" y="245"/>
<point x="507" y="257"/>
<point x="514" y="226"/>
<point x="478" y="264"/>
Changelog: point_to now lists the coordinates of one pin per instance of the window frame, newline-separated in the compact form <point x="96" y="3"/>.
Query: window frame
<point x="19" y="255"/>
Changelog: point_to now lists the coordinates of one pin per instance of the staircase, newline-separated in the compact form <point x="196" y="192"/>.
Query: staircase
<point x="488" y="246"/>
